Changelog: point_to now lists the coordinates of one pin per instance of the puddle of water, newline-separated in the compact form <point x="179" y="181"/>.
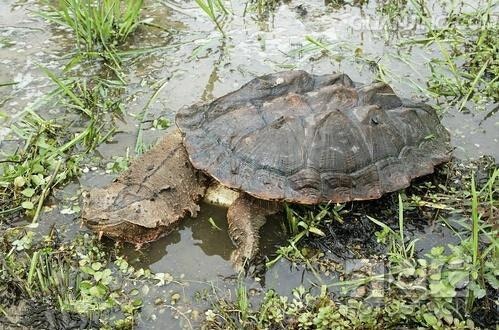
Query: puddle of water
<point x="25" y="42"/>
<point x="202" y="67"/>
<point x="197" y="248"/>
<point x="473" y="134"/>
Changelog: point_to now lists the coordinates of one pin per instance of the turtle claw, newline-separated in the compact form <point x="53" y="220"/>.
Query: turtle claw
<point x="238" y="261"/>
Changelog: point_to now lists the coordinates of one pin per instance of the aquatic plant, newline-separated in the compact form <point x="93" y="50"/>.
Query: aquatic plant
<point x="216" y="12"/>
<point x="139" y="144"/>
<point x="303" y="221"/>
<point x="49" y="151"/>
<point x="344" y="51"/>
<point x="262" y="7"/>
<point x="99" y="26"/>
<point x="392" y="9"/>
<point x="70" y="277"/>
<point x="468" y="66"/>
<point x="464" y="70"/>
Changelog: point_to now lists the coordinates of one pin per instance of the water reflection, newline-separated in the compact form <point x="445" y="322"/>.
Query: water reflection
<point x="196" y="248"/>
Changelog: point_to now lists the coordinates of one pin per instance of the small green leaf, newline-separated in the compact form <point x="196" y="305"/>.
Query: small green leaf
<point x="98" y="276"/>
<point x="430" y="319"/>
<point x="96" y="265"/>
<point x="213" y="224"/>
<point x="38" y="179"/>
<point x="429" y="137"/>
<point x="161" y="123"/>
<point x="456" y="277"/>
<point x="437" y="251"/>
<point x="19" y="182"/>
<point x="87" y="270"/>
<point x="85" y="285"/>
<point x="492" y="280"/>
<point x="442" y="290"/>
<point x="455" y="261"/>
<point x="316" y="231"/>
<point x="27" y="205"/>
<point x="302" y="224"/>
<point x="97" y="291"/>
<point x="28" y="192"/>
<point x="37" y="168"/>
<point x="321" y="214"/>
<point x="436" y="276"/>
<point x="423" y="262"/>
<point x="140" y="272"/>
<point x="478" y="292"/>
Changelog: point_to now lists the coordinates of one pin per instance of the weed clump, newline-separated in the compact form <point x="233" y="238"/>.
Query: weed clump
<point x="48" y="152"/>
<point x="73" y="282"/>
<point x="99" y="26"/>
<point x="469" y="64"/>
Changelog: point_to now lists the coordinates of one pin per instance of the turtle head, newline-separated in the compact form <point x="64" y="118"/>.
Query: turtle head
<point x="99" y="211"/>
<point x="121" y="212"/>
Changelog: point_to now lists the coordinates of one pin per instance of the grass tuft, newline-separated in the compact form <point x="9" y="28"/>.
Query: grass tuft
<point x="49" y="151"/>
<point x="71" y="277"/>
<point x="99" y="26"/>
<point x="216" y="11"/>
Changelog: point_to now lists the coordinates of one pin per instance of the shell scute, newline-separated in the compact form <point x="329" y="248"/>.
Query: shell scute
<point x="304" y="138"/>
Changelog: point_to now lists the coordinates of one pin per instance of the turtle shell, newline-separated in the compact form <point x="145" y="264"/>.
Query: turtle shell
<point x="303" y="138"/>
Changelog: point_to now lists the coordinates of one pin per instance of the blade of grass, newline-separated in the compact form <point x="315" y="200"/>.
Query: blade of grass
<point x="143" y="114"/>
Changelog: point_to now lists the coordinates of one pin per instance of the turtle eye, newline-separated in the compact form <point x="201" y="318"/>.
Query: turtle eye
<point x="375" y="120"/>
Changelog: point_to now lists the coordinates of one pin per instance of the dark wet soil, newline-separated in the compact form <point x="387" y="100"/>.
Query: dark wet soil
<point x="27" y="314"/>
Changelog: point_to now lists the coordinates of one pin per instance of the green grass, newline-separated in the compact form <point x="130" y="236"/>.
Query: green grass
<point x="10" y="83"/>
<point x="467" y="68"/>
<point x="50" y="150"/>
<point x="34" y="168"/>
<point x="99" y="26"/>
<point x="343" y="51"/>
<point x="337" y="4"/>
<point x="242" y="302"/>
<point x="139" y="143"/>
<point x="392" y="9"/>
<point x="304" y="222"/>
<point x="47" y="151"/>
<point x="73" y="277"/>
<point x="262" y="8"/>
<point x="216" y="12"/>
<point x="464" y="67"/>
<point x="398" y="247"/>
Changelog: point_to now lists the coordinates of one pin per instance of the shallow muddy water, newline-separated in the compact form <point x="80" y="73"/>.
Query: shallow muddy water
<point x="201" y="65"/>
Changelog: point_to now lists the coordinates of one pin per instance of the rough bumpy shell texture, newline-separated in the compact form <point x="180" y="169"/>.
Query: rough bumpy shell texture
<point x="148" y="200"/>
<point x="307" y="139"/>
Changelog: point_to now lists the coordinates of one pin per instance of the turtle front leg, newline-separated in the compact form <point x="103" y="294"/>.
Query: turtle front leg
<point x="245" y="217"/>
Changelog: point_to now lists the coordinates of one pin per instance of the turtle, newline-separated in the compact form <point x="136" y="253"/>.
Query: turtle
<point x="287" y="137"/>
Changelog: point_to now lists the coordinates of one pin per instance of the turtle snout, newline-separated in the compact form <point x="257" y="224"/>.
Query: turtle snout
<point x="93" y="206"/>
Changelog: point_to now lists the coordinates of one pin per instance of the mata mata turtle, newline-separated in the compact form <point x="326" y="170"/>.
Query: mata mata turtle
<point x="287" y="137"/>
